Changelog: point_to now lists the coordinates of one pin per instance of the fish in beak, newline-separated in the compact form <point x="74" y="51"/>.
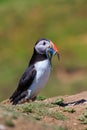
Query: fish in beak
<point x="51" y="51"/>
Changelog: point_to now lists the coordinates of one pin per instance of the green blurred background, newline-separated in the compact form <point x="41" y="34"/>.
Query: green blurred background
<point x="64" y="22"/>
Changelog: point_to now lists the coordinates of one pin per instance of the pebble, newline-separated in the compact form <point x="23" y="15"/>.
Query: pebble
<point x="2" y="127"/>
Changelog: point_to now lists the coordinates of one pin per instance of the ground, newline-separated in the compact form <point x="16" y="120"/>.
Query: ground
<point x="57" y="113"/>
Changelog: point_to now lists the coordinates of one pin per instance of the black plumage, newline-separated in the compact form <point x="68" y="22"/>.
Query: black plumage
<point x="27" y="78"/>
<point x="25" y="81"/>
<point x="38" y="68"/>
<point x="37" y="57"/>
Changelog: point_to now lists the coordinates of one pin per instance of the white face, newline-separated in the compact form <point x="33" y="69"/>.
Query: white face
<point x="41" y="46"/>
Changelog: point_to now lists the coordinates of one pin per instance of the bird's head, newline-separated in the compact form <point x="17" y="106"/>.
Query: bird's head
<point x="45" y="46"/>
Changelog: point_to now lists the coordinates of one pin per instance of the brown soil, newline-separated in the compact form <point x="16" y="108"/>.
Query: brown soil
<point x="72" y="122"/>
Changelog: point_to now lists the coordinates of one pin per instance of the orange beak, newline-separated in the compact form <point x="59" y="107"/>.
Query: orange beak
<point x="56" y="50"/>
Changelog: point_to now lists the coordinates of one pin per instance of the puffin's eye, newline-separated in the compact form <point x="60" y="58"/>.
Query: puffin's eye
<point x="44" y="43"/>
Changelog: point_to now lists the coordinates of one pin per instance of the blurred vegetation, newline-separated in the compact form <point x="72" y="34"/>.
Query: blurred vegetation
<point x="22" y="22"/>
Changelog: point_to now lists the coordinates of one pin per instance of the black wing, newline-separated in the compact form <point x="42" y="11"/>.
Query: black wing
<point x="24" y="83"/>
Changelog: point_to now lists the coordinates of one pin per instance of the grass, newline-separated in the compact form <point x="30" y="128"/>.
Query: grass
<point x="9" y="123"/>
<point x="83" y="117"/>
<point x="40" y="110"/>
<point x="70" y="110"/>
<point x="59" y="101"/>
<point x="23" y="22"/>
<point x="55" y="127"/>
<point x="57" y="115"/>
<point x="31" y="112"/>
<point x="41" y="98"/>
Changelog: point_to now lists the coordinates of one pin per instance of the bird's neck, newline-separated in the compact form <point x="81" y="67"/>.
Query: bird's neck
<point x="37" y="57"/>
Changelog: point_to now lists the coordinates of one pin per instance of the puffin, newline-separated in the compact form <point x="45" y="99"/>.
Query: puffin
<point x="37" y="72"/>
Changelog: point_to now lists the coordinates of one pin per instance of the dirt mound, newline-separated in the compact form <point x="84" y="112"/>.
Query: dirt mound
<point x="62" y="113"/>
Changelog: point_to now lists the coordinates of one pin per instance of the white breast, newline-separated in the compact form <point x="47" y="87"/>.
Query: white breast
<point x="43" y="71"/>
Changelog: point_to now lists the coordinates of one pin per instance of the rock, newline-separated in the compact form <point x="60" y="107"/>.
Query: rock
<point x="2" y="127"/>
